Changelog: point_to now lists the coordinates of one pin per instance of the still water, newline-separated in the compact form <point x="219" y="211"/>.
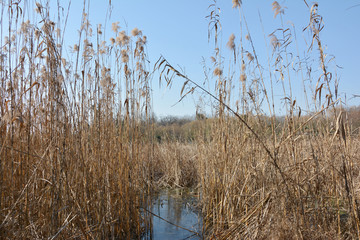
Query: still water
<point x="175" y="216"/>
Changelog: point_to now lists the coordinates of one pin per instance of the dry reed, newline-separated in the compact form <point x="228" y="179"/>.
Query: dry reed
<point x="265" y="176"/>
<point x="80" y="151"/>
<point x="73" y="161"/>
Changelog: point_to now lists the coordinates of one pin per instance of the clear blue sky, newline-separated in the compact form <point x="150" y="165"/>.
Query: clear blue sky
<point x="178" y="31"/>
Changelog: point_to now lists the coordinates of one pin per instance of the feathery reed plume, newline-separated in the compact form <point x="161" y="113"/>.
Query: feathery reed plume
<point x="243" y="77"/>
<point x="135" y="32"/>
<point x="218" y="72"/>
<point x="115" y="27"/>
<point x="250" y="57"/>
<point x="274" y="42"/>
<point x="231" y="44"/>
<point x="276" y="7"/>
<point x="236" y="3"/>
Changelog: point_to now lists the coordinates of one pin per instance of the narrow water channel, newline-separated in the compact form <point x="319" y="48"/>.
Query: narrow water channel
<point x="175" y="216"/>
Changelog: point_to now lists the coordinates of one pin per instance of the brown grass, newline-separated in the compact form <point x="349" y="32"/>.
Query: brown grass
<point x="80" y="151"/>
<point x="73" y="162"/>
<point x="265" y="177"/>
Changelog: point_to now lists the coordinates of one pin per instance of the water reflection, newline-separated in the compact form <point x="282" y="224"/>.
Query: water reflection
<point x="179" y="208"/>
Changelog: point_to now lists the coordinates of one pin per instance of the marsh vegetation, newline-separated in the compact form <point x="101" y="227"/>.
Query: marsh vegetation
<point x="81" y="152"/>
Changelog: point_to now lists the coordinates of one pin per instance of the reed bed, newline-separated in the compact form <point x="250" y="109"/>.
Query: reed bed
<point x="80" y="151"/>
<point x="176" y="165"/>
<point x="73" y="162"/>
<point x="266" y="176"/>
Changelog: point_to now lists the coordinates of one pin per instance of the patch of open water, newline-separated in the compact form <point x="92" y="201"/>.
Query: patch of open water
<point x="175" y="216"/>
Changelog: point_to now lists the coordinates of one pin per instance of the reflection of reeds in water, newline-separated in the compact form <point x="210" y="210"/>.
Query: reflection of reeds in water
<point x="174" y="214"/>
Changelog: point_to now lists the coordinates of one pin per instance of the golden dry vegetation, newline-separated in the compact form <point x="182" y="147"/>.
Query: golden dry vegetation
<point x="80" y="151"/>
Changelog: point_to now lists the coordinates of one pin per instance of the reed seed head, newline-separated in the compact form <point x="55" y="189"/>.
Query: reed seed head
<point x="250" y="57"/>
<point x="277" y="8"/>
<point x="122" y="39"/>
<point x="25" y="27"/>
<point x="218" y="72"/>
<point x="274" y="42"/>
<point x="236" y="3"/>
<point x="231" y="43"/>
<point x="124" y="56"/>
<point x="243" y="77"/>
<point x="115" y="26"/>
<point x="135" y="32"/>
<point x="38" y="7"/>
<point x="112" y="40"/>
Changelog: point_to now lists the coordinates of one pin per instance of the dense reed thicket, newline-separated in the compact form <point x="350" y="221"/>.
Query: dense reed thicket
<point x="73" y="162"/>
<point x="80" y="151"/>
<point x="266" y="176"/>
